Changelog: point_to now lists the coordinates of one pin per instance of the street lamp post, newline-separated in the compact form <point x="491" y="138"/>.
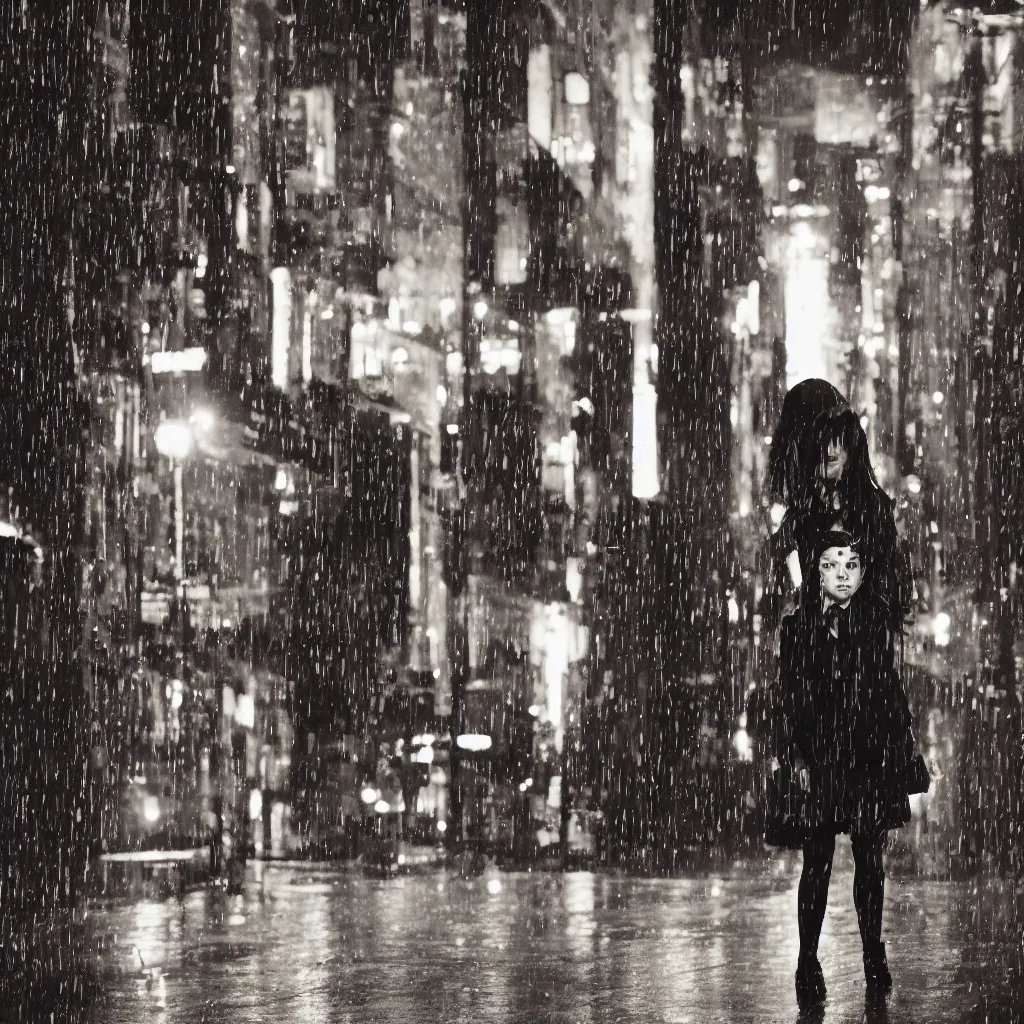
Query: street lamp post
<point x="176" y="441"/>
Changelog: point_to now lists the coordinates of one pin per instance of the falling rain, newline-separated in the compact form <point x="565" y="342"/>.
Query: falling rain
<point x="511" y="510"/>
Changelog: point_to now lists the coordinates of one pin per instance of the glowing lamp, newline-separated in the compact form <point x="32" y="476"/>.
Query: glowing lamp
<point x="173" y="439"/>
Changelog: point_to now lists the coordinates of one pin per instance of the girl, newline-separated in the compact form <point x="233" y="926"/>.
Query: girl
<point x="842" y="728"/>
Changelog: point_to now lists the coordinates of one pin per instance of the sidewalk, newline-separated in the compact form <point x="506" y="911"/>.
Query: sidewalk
<point x="334" y="946"/>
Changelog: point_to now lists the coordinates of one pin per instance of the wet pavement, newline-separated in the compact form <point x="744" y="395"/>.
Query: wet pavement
<point x="315" y="945"/>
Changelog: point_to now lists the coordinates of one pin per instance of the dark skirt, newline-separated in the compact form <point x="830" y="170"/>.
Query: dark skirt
<point x="838" y="801"/>
<point x="855" y="804"/>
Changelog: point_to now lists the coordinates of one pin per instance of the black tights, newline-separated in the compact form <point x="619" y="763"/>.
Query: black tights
<point x="868" y="887"/>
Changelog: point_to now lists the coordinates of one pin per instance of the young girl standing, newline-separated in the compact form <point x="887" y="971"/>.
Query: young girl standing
<point x="842" y="728"/>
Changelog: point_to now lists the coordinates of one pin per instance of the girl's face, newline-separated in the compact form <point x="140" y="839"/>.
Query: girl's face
<point x="834" y="464"/>
<point x="841" y="574"/>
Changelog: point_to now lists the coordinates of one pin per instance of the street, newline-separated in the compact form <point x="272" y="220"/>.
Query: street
<point x="308" y="944"/>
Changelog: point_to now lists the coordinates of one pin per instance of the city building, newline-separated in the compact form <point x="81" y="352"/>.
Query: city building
<point x="961" y="402"/>
<point x="431" y="353"/>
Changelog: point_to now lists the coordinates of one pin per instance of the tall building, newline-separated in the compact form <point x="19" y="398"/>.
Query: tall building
<point x="962" y="402"/>
<point x="44" y="820"/>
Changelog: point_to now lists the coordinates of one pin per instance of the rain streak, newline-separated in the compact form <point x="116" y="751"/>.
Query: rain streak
<point x="511" y="510"/>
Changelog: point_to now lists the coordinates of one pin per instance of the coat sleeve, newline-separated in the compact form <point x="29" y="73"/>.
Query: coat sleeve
<point x="782" y="703"/>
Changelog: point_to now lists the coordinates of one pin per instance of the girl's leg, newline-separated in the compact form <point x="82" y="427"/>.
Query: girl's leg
<point x="813" y="891"/>
<point x="869" y="886"/>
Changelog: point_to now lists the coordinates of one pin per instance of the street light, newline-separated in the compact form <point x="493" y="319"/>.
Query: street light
<point x="174" y="440"/>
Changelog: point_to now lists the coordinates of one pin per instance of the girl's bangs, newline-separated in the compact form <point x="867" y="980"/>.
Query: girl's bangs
<point x="841" y="427"/>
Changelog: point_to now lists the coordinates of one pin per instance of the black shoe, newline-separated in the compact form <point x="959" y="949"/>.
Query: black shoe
<point x="810" y="982"/>
<point x="876" y="969"/>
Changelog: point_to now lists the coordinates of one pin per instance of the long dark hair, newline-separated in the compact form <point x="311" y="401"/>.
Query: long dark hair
<point x="858" y="487"/>
<point x="868" y="512"/>
<point x="787" y="465"/>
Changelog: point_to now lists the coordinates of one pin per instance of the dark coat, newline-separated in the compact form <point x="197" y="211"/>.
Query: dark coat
<point x="840" y="705"/>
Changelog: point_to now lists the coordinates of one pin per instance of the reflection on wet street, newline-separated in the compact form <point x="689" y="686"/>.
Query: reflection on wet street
<point x="316" y="945"/>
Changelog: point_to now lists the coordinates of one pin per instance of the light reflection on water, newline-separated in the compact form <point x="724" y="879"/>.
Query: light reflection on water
<point x="320" y="946"/>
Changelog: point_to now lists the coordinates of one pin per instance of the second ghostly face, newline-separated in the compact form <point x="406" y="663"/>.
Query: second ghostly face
<point x="841" y="573"/>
